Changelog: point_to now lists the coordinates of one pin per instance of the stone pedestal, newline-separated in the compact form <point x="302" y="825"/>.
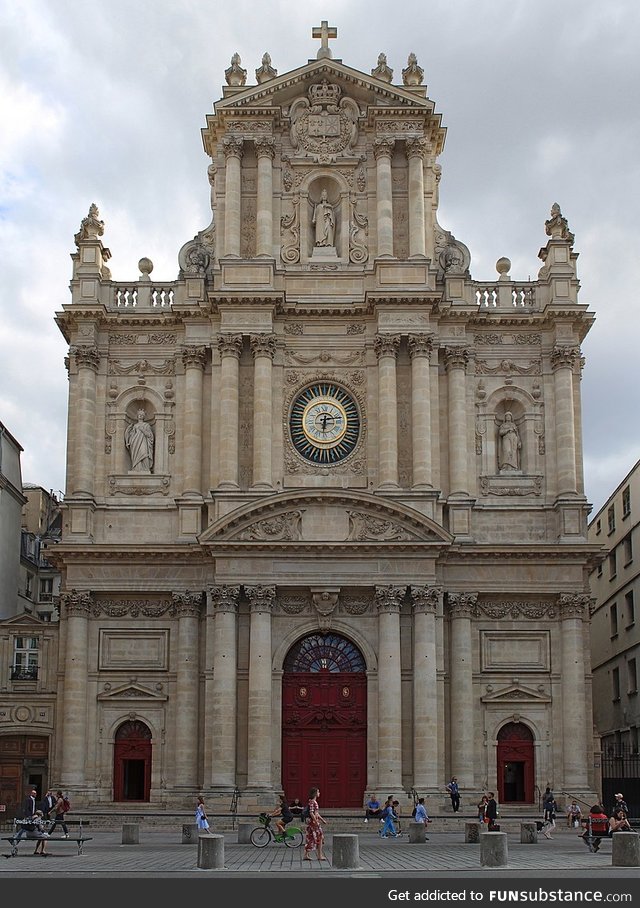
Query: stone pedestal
<point x="189" y="834"/>
<point x="210" y="852"/>
<point x="625" y="849"/>
<point x="130" y="834"/>
<point x="493" y="849"/>
<point x="471" y="833"/>
<point x="528" y="833"/>
<point x="244" y="833"/>
<point x="417" y="833"/>
<point x="346" y="852"/>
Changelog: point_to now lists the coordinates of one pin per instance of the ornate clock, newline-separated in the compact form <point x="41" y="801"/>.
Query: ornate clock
<point x="324" y="423"/>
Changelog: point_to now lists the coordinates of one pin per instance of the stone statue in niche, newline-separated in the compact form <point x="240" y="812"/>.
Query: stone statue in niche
<point x="509" y="444"/>
<point x="138" y="439"/>
<point x="324" y="221"/>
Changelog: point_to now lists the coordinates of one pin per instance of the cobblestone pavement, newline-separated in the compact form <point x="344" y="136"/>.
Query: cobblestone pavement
<point x="161" y="854"/>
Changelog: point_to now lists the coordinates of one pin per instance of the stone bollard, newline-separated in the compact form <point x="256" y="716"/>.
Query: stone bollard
<point x="346" y="852"/>
<point x="130" y="834"/>
<point x="493" y="849"/>
<point x="528" y="833"/>
<point x="210" y="851"/>
<point x="625" y="849"/>
<point x="471" y="833"/>
<point x="417" y="833"/>
<point x="244" y="833"/>
<point x="189" y="834"/>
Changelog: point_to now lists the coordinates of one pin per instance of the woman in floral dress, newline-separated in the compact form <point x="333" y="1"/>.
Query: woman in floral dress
<point x="314" y="838"/>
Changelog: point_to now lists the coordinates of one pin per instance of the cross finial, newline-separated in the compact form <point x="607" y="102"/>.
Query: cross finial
<point x="324" y="32"/>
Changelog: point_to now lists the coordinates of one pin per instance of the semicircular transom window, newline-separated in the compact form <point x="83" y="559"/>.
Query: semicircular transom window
<point x="324" y="652"/>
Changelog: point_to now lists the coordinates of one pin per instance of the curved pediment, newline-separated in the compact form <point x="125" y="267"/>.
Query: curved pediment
<point x="325" y="517"/>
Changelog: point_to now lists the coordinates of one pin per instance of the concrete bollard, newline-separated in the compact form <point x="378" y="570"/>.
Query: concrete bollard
<point x="244" y="833"/>
<point x="417" y="833"/>
<point x="189" y="834"/>
<point x="493" y="849"/>
<point x="625" y="849"/>
<point x="471" y="833"/>
<point x="346" y="852"/>
<point x="528" y="833"/>
<point x="130" y="834"/>
<point x="210" y="851"/>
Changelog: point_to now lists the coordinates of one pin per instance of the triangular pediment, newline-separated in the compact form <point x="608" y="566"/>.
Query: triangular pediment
<point x="516" y="693"/>
<point x="24" y="619"/>
<point x="325" y="517"/>
<point x="131" y="691"/>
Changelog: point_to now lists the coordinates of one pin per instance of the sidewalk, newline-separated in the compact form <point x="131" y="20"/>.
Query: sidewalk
<point x="160" y="854"/>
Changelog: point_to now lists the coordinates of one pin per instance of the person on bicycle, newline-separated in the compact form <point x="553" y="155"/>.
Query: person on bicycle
<point x="283" y="813"/>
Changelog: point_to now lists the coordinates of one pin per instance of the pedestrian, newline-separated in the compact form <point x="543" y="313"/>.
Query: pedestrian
<point x="202" y="821"/>
<point x="482" y="807"/>
<point x="620" y="803"/>
<point x="491" y="813"/>
<point x="454" y="793"/>
<point x="619" y="822"/>
<point x="421" y="815"/>
<point x="389" y="816"/>
<point x="372" y="809"/>
<point x="296" y="808"/>
<point x="29" y="807"/>
<point x="550" y="808"/>
<point x="40" y="833"/>
<point x="574" y="814"/>
<point x="283" y="812"/>
<point x="48" y="803"/>
<point x="596" y="827"/>
<point x="396" y="819"/>
<point x="60" y="810"/>
<point x="314" y="838"/>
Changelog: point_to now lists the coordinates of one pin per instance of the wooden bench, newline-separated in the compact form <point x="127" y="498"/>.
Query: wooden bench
<point x="78" y="839"/>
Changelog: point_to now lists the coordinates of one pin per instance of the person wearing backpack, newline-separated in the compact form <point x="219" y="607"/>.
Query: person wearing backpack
<point x="60" y="808"/>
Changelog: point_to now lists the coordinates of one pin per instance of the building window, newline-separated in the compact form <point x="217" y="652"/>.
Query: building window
<point x="626" y="501"/>
<point x="615" y="683"/>
<point x="599" y="571"/>
<point x="632" y="677"/>
<point x="611" y="518"/>
<point x="628" y="549"/>
<point x="46" y="589"/>
<point x="612" y="564"/>
<point x="633" y="737"/>
<point x="25" y="659"/>
<point x="613" y="620"/>
<point x="629" y="609"/>
<point x="28" y="586"/>
<point x="598" y="527"/>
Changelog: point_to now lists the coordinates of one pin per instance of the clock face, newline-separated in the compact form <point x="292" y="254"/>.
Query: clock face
<point x="324" y="423"/>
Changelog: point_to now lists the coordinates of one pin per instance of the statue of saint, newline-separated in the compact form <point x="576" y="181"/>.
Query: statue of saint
<point x="324" y="221"/>
<point x="138" y="438"/>
<point x="509" y="444"/>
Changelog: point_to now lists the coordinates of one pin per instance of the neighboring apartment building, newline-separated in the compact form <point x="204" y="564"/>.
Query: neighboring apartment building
<point x="39" y="585"/>
<point x="11" y="503"/>
<point x="615" y="638"/>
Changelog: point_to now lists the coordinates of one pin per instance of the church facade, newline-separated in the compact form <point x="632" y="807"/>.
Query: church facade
<point x="325" y="521"/>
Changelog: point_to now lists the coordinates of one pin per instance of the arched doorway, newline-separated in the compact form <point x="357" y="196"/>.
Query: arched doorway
<point x="515" y="764"/>
<point x="132" y="762"/>
<point x="324" y="720"/>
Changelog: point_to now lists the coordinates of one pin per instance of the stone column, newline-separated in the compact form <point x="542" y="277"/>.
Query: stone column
<point x="383" y="150"/>
<point x="230" y="346"/>
<point x="75" y="611"/>
<point x="416" y="150"/>
<point x="187" y="607"/>
<point x="574" y="610"/>
<point x="224" y="600"/>
<point x="87" y="360"/>
<point x="426" y="600"/>
<point x="263" y="347"/>
<point x="259" y="719"/>
<point x="232" y="147"/>
<point x="386" y="348"/>
<point x="461" y="607"/>
<point x="265" y="147"/>
<point x="456" y="359"/>
<point x="388" y="602"/>
<point x="420" y="347"/>
<point x="563" y="362"/>
<point x="193" y="358"/>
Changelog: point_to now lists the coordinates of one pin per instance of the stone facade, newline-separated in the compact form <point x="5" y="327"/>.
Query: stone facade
<point x="324" y="426"/>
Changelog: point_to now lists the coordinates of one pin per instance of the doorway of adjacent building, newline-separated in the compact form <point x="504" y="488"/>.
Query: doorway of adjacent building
<point x="132" y="762"/>
<point x="324" y="721"/>
<point x="515" y="770"/>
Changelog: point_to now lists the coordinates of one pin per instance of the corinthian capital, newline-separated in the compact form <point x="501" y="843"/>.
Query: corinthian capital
<point x="194" y="356"/>
<point x="224" y="598"/>
<point x="574" y="605"/>
<point x="186" y="604"/>
<point x="263" y="345"/>
<point x="230" y="345"/>
<point x="86" y="357"/>
<point x="265" y="146"/>
<point x="386" y="345"/>
<point x="232" y="146"/>
<point x="383" y="148"/>
<point x="455" y="358"/>
<point x="417" y="147"/>
<point x="565" y="357"/>
<point x="426" y="599"/>
<point x="462" y="605"/>
<point x="420" y="345"/>
<point x="75" y="603"/>
<point x="260" y="597"/>
<point x="389" y="598"/>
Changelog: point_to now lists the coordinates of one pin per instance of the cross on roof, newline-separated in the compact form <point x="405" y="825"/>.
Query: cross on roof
<point x="324" y="32"/>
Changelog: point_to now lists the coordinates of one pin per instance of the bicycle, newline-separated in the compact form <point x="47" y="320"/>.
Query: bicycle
<point x="260" y="836"/>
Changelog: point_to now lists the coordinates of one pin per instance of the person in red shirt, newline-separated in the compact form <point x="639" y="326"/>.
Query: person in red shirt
<point x="596" y="827"/>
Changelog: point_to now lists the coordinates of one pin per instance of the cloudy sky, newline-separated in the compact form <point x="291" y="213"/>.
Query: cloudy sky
<point x="104" y="102"/>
